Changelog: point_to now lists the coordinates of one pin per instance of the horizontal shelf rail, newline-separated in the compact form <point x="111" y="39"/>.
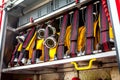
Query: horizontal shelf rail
<point x="63" y="61"/>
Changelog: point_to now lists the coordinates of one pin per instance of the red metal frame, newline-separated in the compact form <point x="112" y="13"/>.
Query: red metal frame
<point x="114" y="9"/>
<point x="118" y="7"/>
<point x="1" y="12"/>
<point x="77" y="1"/>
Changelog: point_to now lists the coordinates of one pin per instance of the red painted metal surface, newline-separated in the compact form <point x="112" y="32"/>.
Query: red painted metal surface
<point x="77" y="1"/>
<point x="1" y="12"/>
<point x="118" y="7"/>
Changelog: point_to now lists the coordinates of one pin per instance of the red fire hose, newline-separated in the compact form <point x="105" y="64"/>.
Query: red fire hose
<point x="104" y="4"/>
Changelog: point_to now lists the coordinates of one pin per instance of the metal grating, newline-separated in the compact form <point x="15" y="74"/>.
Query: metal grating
<point x="35" y="14"/>
<point x="44" y="10"/>
<point x="61" y="3"/>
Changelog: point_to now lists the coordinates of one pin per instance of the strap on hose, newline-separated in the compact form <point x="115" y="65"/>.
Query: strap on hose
<point x="60" y="50"/>
<point x="14" y="55"/>
<point x="74" y="33"/>
<point x="89" y="30"/>
<point x="104" y="31"/>
<point x="25" y="44"/>
<point x="46" y="50"/>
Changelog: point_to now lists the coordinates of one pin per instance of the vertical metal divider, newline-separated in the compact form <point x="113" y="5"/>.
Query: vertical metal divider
<point x="116" y="26"/>
<point x="2" y="37"/>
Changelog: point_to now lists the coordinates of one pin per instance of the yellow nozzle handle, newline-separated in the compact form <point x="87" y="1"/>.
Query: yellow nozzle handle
<point x="83" y="68"/>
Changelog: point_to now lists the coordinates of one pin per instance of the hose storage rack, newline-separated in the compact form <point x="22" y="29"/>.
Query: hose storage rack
<point x="21" y="18"/>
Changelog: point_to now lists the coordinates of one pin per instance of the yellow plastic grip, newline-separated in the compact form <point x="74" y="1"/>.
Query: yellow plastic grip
<point x="84" y="68"/>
